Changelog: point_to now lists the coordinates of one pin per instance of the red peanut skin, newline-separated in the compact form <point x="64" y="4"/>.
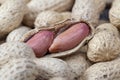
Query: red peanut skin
<point x="41" y="42"/>
<point x="70" y="38"/>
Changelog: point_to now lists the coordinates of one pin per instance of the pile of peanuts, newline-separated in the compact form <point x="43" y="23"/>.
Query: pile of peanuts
<point x="59" y="39"/>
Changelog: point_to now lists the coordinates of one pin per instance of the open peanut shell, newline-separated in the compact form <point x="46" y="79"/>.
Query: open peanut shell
<point x="60" y="27"/>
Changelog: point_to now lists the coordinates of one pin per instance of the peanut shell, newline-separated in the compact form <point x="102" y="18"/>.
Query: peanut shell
<point x="38" y="6"/>
<point x="88" y="13"/>
<point x="19" y="69"/>
<point x="49" y="18"/>
<point x="103" y="71"/>
<point x="104" y="46"/>
<point x="52" y="67"/>
<point x="77" y="62"/>
<point x="12" y="12"/>
<point x="14" y="50"/>
<point x="114" y="13"/>
<point x="17" y="34"/>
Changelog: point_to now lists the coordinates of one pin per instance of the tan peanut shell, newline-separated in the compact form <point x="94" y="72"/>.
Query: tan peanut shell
<point x="66" y="15"/>
<point x="103" y="71"/>
<point x="14" y="50"/>
<point x="19" y="69"/>
<point x="17" y="34"/>
<point x="53" y="67"/>
<point x="38" y="6"/>
<point x="12" y="12"/>
<point x="77" y="62"/>
<point x="88" y="13"/>
<point x="105" y="44"/>
<point x="50" y="18"/>
<point x="114" y="13"/>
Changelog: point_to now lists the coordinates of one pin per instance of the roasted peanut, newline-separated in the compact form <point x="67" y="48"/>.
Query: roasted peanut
<point x="19" y="69"/>
<point x="11" y="10"/>
<point x="70" y="38"/>
<point x="114" y="13"/>
<point x="38" y="6"/>
<point x="88" y="13"/>
<point x="105" y="45"/>
<point x="40" y="42"/>
<point x="78" y="63"/>
<point x="52" y="67"/>
<point x="17" y="34"/>
<point x="15" y="50"/>
<point x="103" y="71"/>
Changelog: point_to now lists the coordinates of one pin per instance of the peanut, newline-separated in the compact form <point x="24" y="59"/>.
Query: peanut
<point x="78" y="63"/>
<point x="40" y="42"/>
<point x="11" y="10"/>
<point x="50" y="18"/>
<point x="19" y="69"/>
<point x="70" y="38"/>
<point x="105" y="45"/>
<point x="47" y="18"/>
<point x="103" y="71"/>
<point x="88" y="13"/>
<point x="53" y="67"/>
<point x="38" y="6"/>
<point x="17" y="34"/>
<point x="114" y="13"/>
<point x="14" y="50"/>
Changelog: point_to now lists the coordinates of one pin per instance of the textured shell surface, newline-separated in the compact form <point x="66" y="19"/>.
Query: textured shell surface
<point x="19" y="69"/>
<point x="48" y="18"/>
<point x="11" y="10"/>
<point x="109" y="27"/>
<point x="78" y="63"/>
<point x="103" y="71"/>
<point x="14" y="50"/>
<point x="17" y="34"/>
<point x="37" y="6"/>
<point x="104" y="45"/>
<point x="53" y="67"/>
<point x="114" y="13"/>
<point x="66" y="15"/>
<point x="86" y="13"/>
